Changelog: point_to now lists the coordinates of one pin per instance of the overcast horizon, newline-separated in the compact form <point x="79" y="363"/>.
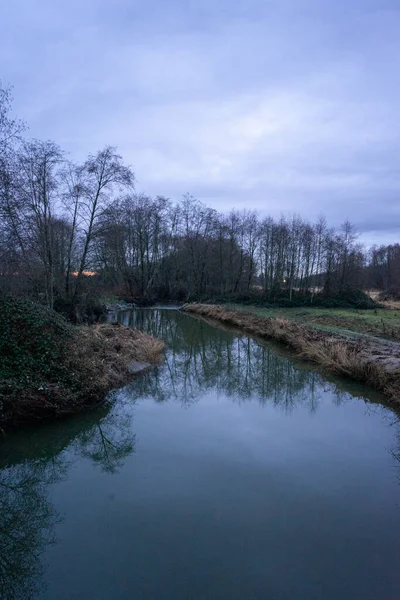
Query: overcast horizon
<point x="282" y="106"/>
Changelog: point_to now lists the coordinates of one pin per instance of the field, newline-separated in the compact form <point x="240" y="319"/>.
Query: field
<point x="383" y="323"/>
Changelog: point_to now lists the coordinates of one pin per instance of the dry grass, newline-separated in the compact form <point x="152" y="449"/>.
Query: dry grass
<point x="103" y="354"/>
<point x="115" y="338"/>
<point x="372" y="363"/>
<point x="98" y="358"/>
<point x="383" y="322"/>
<point x="388" y="304"/>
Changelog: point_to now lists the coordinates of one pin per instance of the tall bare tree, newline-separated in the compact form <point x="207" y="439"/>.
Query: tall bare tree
<point x="39" y="164"/>
<point x="104" y="173"/>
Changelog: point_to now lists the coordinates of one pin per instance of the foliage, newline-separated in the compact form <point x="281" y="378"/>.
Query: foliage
<point x="86" y="308"/>
<point x="33" y="339"/>
<point x="49" y="368"/>
<point x="350" y="299"/>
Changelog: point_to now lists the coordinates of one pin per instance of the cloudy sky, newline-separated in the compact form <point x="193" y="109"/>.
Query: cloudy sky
<point x="277" y="105"/>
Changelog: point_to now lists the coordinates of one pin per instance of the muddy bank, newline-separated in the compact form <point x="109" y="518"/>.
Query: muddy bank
<point x="95" y="359"/>
<point x="374" y="363"/>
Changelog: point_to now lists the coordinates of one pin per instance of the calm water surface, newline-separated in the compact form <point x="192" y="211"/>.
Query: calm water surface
<point x="231" y="472"/>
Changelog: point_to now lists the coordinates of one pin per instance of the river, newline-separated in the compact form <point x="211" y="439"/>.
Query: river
<point x="231" y="472"/>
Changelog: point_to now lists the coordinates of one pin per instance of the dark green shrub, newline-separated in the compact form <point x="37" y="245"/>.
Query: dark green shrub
<point x="32" y="339"/>
<point x="298" y="299"/>
<point x="87" y="308"/>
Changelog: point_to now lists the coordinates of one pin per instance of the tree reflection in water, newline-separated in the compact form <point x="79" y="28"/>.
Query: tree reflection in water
<point x="27" y="522"/>
<point x="395" y="452"/>
<point x="201" y="358"/>
<point x="109" y="441"/>
<point x="27" y="517"/>
<point x="204" y="356"/>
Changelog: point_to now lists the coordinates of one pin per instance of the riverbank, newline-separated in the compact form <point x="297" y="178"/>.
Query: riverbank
<point x="383" y="322"/>
<point x="372" y="362"/>
<point x="50" y="369"/>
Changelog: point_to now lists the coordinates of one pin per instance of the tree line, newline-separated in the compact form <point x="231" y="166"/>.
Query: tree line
<point x="66" y="228"/>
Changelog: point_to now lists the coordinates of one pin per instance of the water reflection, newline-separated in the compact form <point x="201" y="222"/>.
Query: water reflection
<point x="108" y="442"/>
<point x="395" y="452"/>
<point x="27" y="521"/>
<point x="30" y="463"/>
<point x="201" y="358"/>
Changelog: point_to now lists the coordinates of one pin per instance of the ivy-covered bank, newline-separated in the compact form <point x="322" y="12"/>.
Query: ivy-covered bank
<point x="50" y="368"/>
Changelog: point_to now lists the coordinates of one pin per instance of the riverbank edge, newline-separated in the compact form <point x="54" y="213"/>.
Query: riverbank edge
<point x="376" y="364"/>
<point x="98" y="359"/>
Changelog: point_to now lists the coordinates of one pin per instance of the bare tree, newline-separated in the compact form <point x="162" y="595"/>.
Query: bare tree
<point x="11" y="128"/>
<point x="73" y="196"/>
<point x="39" y="164"/>
<point x="104" y="174"/>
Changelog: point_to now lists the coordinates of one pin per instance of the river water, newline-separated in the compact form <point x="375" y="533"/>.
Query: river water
<point x="231" y="472"/>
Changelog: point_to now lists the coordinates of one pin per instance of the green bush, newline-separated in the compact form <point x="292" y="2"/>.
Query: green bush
<point x="350" y="299"/>
<point x="281" y="298"/>
<point x="87" y="308"/>
<point x="32" y="339"/>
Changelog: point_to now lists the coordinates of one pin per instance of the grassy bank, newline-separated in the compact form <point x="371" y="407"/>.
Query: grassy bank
<point x="373" y="363"/>
<point x="382" y="322"/>
<point x="50" y="369"/>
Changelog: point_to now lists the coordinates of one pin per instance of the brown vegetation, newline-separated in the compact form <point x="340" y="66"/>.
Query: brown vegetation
<point x="96" y="359"/>
<point x="385" y="299"/>
<point x="373" y="363"/>
<point x="108" y="354"/>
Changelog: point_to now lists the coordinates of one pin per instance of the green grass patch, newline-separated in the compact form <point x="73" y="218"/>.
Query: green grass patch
<point x="380" y="323"/>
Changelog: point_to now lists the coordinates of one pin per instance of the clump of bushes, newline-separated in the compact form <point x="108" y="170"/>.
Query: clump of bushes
<point x="282" y="298"/>
<point x="50" y="368"/>
<point x="350" y="299"/>
<point x="33" y="339"/>
<point x="87" y="308"/>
